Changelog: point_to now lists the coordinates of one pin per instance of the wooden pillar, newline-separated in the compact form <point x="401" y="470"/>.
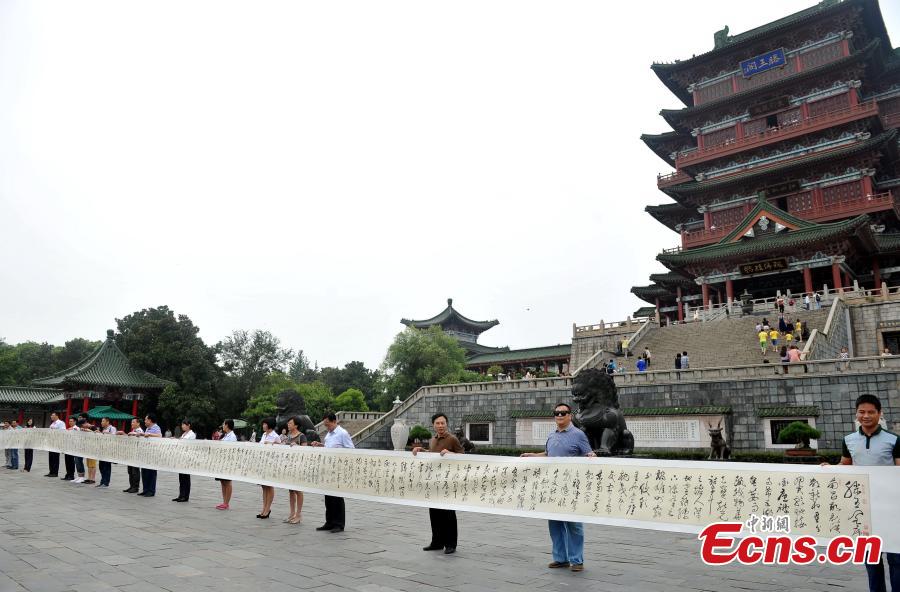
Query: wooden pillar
<point x="729" y="289"/>
<point x="719" y="296"/>
<point x="876" y="272"/>
<point x="134" y="404"/>
<point x="21" y="416"/>
<point x="680" y="304"/>
<point x="704" y="287"/>
<point x="85" y="404"/>
<point x="836" y="275"/>
<point x="68" y="411"/>
<point x="807" y="280"/>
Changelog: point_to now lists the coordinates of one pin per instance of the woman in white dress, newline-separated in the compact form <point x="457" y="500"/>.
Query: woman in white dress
<point x="269" y="436"/>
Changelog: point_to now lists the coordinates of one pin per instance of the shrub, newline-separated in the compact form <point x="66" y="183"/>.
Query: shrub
<point x="799" y="433"/>
<point x="419" y="432"/>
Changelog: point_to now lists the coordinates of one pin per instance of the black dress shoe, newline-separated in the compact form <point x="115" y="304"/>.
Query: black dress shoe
<point x="325" y="527"/>
<point x="130" y="490"/>
<point x="67" y="478"/>
<point x="176" y="499"/>
<point x="449" y="550"/>
<point x="181" y="499"/>
<point x="51" y="475"/>
<point x="433" y="547"/>
<point x="337" y="529"/>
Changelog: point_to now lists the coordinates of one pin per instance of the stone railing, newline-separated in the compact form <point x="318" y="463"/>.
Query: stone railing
<point x="604" y="328"/>
<point x="388" y="417"/>
<point x="827" y="343"/>
<point x="351" y="416"/>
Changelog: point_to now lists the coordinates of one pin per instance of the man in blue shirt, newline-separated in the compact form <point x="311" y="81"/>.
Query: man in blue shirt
<point x="871" y="445"/>
<point x="567" y="537"/>
<point x="337" y="437"/>
<point x="148" y="476"/>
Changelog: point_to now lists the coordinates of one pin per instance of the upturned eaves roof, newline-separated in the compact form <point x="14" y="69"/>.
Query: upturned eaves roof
<point x="447" y="315"/>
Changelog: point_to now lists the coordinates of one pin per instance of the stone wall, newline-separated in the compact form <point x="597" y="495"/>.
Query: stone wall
<point x="827" y="344"/>
<point x="585" y="345"/>
<point x="869" y="321"/>
<point x="833" y="394"/>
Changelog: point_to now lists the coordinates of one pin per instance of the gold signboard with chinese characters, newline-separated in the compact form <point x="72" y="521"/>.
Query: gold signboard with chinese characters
<point x="767" y="266"/>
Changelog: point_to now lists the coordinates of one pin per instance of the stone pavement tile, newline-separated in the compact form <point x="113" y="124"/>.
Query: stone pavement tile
<point x="116" y="560"/>
<point x="181" y="571"/>
<point x="93" y="587"/>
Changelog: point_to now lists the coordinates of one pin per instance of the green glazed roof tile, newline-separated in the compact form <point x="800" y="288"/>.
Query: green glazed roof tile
<point x="28" y="395"/>
<point x="475" y="417"/>
<point x="788" y="411"/>
<point x="522" y="355"/>
<point x="700" y="410"/>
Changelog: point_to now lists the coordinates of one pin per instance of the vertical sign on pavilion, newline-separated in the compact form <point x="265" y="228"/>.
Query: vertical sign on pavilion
<point x="786" y="161"/>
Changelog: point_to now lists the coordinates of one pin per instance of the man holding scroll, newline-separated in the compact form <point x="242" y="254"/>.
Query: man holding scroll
<point x="567" y="537"/>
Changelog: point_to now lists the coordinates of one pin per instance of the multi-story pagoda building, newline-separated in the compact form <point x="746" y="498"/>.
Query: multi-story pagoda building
<point x="786" y="160"/>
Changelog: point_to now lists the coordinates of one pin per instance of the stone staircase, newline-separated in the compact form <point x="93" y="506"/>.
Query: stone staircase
<point x="730" y="341"/>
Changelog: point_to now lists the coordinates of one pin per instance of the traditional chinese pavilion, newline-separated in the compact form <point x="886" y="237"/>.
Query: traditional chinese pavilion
<point x="104" y="376"/>
<point x="481" y="357"/>
<point x="786" y="160"/>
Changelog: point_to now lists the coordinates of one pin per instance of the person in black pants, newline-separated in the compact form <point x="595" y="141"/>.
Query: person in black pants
<point x="184" y="479"/>
<point x="29" y="453"/>
<point x="337" y="437"/>
<point x="443" y="522"/>
<point x="134" y="473"/>
<point x="148" y="476"/>
<point x="53" y="457"/>
<point x="68" y="458"/>
<point x="106" y="427"/>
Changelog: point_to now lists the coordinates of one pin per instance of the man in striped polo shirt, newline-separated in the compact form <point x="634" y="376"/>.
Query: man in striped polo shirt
<point x="872" y="445"/>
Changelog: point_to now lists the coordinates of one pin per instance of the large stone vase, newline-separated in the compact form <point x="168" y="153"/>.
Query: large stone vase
<point x="399" y="434"/>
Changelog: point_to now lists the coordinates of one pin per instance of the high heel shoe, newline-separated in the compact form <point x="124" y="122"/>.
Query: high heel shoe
<point x="295" y="520"/>
<point x="264" y="516"/>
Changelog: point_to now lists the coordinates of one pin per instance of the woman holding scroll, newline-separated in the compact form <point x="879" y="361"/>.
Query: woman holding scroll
<point x="294" y="437"/>
<point x="269" y="436"/>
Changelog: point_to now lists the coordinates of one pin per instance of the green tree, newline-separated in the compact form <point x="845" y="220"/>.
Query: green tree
<point x="420" y="357"/>
<point x="73" y="352"/>
<point x="353" y="375"/>
<point x="262" y="402"/>
<point x="300" y="370"/>
<point x="351" y="400"/>
<point x="156" y="340"/>
<point x="319" y="399"/>
<point x="247" y="359"/>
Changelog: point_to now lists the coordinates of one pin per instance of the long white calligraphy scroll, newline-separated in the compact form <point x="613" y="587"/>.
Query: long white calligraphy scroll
<point x="656" y="494"/>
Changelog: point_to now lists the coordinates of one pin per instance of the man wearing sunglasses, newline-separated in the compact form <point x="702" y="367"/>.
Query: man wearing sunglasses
<point x="567" y="537"/>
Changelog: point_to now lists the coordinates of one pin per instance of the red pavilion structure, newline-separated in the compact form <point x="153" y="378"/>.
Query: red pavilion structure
<point x="786" y="161"/>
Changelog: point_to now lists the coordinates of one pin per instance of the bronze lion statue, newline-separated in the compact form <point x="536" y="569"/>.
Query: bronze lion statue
<point x="290" y="404"/>
<point x="598" y="413"/>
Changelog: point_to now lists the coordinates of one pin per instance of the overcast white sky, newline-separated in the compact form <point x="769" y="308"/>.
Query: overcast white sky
<point x="322" y="169"/>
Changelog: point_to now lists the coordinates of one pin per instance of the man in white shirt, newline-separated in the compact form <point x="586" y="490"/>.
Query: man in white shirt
<point x="184" y="479"/>
<point x="53" y="457"/>
<point x="148" y="476"/>
<point x="134" y="473"/>
<point x="106" y="427"/>
<point x="337" y="437"/>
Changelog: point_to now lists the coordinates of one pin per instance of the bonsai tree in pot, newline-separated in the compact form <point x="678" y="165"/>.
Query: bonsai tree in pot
<point x="799" y="433"/>
<point x="419" y="434"/>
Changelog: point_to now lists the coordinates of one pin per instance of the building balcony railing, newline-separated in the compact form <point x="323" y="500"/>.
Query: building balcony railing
<point x="889" y="121"/>
<point x="864" y="205"/>
<point x="674" y="178"/>
<point x="777" y="134"/>
<point x="704" y="236"/>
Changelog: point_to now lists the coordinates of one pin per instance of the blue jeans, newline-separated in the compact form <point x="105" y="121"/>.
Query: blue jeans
<point x="568" y="541"/>
<point x="14" y="458"/>
<point x="876" y="573"/>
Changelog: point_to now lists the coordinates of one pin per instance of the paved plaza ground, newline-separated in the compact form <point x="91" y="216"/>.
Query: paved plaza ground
<point x="56" y="536"/>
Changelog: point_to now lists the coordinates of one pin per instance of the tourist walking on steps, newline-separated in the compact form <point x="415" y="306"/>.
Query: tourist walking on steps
<point x="227" y="486"/>
<point x="785" y="359"/>
<point x="294" y="437"/>
<point x="773" y="338"/>
<point x="53" y="457"/>
<point x="134" y="473"/>
<point x="647" y="356"/>
<point x="567" y="537"/>
<point x="184" y="479"/>
<point x="806" y="301"/>
<point x="685" y="361"/>
<point x="678" y="361"/>
<point x="763" y="341"/>
<point x="269" y="436"/>
<point x="872" y="445"/>
<point x="443" y="522"/>
<point x="337" y="437"/>
<point x="148" y="476"/>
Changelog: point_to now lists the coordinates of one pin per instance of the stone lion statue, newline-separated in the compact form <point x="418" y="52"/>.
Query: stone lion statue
<point x="290" y="404"/>
<point x="598" y="413"/>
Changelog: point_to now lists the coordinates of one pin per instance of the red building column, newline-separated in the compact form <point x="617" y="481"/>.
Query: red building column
<point x="21" y="416"/>
<point x="134" y="404"/>
<point x="729" y="289"/>
<point x="68" y="411"/>
<point x="807" y="280"/>
<point x="876" y="272"/>
<point x="680" y="304"/>
<point x="85" y="404"/>
<point x="836" y="275"/>
<point x="704" y="287"/>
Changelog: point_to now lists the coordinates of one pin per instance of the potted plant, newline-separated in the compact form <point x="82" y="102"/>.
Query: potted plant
<point x="419" y="434"/>
<point x="799" y="433"/>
